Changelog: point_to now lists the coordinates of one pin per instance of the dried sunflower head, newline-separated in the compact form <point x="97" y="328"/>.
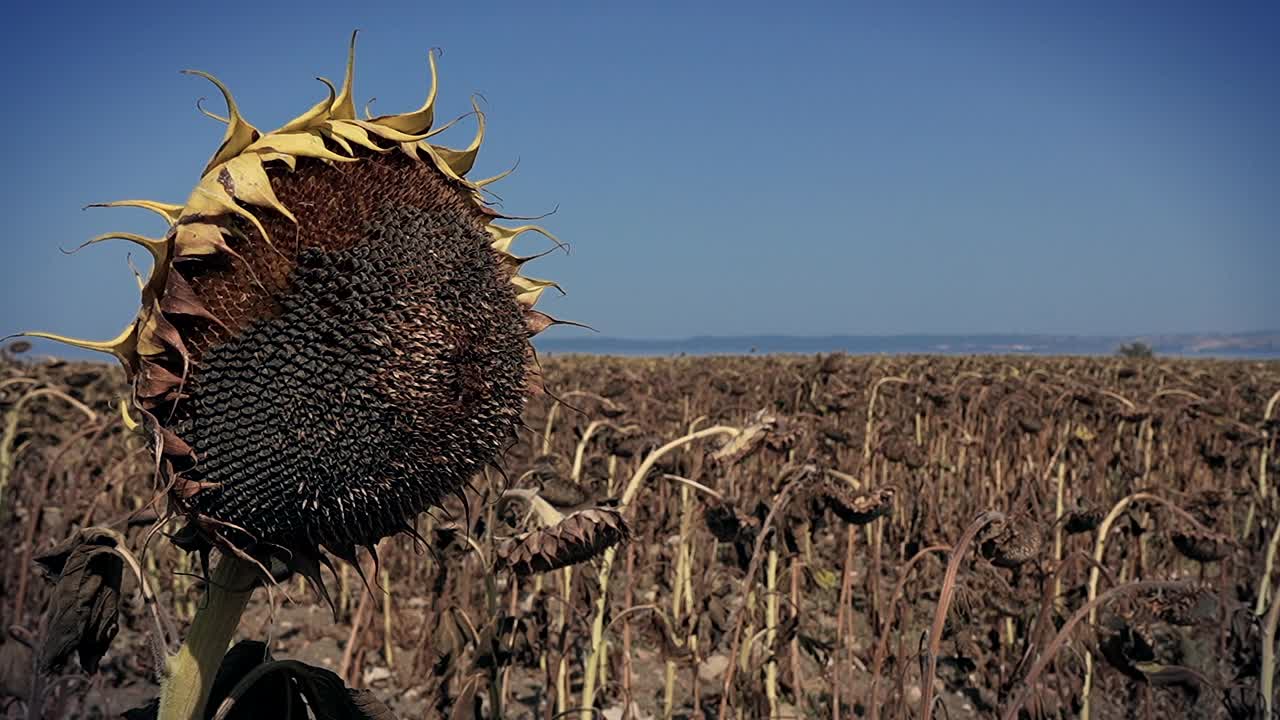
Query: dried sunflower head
<point x="1081" y="520"/>
<point x="723" y="521"/>
<point x="576" y="538"/>
<point x="335" y="334"/>
<point x="1187" y="606"/>
<point x="1203" y="547"/>
<point x="856" y="508"/>
<point x="1012" y="542"/>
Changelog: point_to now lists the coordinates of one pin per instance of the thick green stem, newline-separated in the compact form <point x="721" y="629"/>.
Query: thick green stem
<point x="190" y="673"/>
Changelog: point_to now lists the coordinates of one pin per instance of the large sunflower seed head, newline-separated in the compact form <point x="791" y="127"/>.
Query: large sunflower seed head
<point x="335" y="335"/>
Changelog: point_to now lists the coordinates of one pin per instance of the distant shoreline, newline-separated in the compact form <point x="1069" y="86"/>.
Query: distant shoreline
<point x="1240" y="346"/>
<point x="1261" y="345"/>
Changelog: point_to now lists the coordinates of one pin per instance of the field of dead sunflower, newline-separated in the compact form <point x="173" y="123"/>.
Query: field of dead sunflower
<point x="329" y="477"/>
<point x="764" y="537"/>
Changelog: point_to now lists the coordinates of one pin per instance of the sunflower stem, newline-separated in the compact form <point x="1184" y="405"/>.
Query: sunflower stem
<point x="606" y="562"/>
<point x="191" y="671"/>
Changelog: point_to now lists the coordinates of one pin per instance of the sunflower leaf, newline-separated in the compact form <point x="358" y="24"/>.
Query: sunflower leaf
<point x="85" y="608"/>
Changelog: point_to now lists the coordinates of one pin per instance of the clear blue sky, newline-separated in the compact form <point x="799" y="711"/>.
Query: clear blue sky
<point x="719" y="169"/>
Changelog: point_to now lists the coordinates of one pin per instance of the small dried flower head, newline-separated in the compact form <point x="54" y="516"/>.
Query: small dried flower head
<point x="856" y="508"/>
<point x="1202" y="546"/>
<point x="578" y="537"/>
<point x="904" y="451"/>
<point x="563" y="493"/>
<point x="723" y="521"/>
<point x="1185" y="606"/>
<point x="1081" y="520"/>
<point x="747" y="442"/>
<point x="1013" y="542"/>
<point x="335" y="334"/>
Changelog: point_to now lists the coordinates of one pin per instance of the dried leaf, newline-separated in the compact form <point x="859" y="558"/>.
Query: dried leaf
<point x="577" y="538"/>
<point x="747" y="442"/>
<point x="85" y="605"/>
<point x="15" y="669"/>
<point x="465" y="706"/>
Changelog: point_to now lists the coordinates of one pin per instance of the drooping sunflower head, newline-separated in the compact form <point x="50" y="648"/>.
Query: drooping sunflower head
<point x="335" y="334"/>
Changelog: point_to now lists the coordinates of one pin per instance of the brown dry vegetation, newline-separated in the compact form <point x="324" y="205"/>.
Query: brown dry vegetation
<point x="770" y="571"/>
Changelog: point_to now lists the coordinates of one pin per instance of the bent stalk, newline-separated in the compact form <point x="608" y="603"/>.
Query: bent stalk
<point x="606" y="562"/>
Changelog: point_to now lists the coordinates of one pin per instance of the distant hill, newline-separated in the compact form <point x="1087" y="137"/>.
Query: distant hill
<point x="1259" y="345"/>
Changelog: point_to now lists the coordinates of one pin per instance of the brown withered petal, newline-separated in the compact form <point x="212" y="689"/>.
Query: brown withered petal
<point x="856" y="508"/>
<point x="1200" y="546"/>
<point x="577" y="538"/>
<point x="84" y="610"/>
